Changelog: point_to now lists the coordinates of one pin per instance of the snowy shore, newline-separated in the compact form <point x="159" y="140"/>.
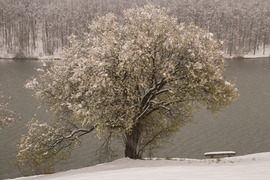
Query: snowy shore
<point x="249" y="167"/>
<point x="250" y="55"/>
<point x="259" y="54"/>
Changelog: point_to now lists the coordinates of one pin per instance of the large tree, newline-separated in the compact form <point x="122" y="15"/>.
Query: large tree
<point x="138" y="79"/>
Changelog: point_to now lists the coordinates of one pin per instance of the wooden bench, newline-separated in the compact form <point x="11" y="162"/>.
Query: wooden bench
<point x="220" y="154"/>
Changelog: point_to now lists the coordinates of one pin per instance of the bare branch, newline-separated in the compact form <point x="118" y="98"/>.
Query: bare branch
<point x="150" y="141"/>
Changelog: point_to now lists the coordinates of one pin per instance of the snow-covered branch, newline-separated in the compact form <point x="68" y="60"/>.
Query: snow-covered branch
<point x="73" y="135"/>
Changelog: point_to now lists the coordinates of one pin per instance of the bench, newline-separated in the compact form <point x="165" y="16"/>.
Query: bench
<point x="219" y="154"/>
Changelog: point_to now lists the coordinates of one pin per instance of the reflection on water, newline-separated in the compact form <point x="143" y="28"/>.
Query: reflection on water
<point x="243" y="127"/>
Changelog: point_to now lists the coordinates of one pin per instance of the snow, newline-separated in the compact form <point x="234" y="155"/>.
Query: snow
<point x="249" y="167"/>
<point x="259" y="53"/>
<point x="250" y="55"/>
<point x="227" y="83"/>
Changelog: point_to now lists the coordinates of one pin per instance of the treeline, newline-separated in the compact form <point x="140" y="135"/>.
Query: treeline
<point x="40" y="28"/>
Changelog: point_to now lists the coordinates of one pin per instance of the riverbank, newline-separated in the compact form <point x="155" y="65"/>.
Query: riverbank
<point x="39" y="55"/>
<point x="260" y="53"/>
<point x="249" y="167"/>
<point x="58" y="58"/>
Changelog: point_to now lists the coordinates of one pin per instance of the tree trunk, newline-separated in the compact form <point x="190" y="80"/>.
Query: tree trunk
<point x="264" y="42"/>
<point x="255" y="45"/>
<point x="132" y="142"/>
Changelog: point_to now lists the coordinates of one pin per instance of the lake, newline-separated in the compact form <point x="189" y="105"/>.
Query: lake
<point x="243" y="127"/>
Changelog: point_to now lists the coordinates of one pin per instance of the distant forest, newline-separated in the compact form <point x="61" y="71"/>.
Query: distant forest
<point x="34" y="28"/>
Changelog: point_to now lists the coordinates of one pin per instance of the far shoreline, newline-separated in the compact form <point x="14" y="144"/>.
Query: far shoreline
<point x="245" y="58"/>
<point x="31" y="58"/>
<point x="58" y="58"/>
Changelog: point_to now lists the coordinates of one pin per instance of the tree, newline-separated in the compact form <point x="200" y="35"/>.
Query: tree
<point x="138" y="79"/>
<point x="6" y="115"/>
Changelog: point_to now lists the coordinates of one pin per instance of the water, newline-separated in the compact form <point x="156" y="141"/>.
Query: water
<point x="243" y="127"/>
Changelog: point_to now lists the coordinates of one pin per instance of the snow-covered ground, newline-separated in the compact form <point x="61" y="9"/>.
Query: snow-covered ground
<point x="259" y="53"/>
<point x="250" y="55"/>
<point x="40" y="55"/>
<point x="249" y="167"/>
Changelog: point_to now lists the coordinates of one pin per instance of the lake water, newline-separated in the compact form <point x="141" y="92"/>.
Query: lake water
<point x="244" y="127"/>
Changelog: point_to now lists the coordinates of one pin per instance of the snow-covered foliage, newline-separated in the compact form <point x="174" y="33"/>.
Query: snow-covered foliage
<point x="32" y="152"/>
<point x="44" y="146"/>
<point x="6" y="115"/>
<point x="139" y="78"/>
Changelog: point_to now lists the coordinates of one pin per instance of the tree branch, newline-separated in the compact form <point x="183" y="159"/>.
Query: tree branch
<point x="73" y="133"/>
<point x="150" y="95"/>
<point x="162" y="91"/>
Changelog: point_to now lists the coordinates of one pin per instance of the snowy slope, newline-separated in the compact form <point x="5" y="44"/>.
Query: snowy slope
<point x="250" y="167"/>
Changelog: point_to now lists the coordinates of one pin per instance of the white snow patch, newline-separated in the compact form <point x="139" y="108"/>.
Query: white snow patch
<point x="259" y="53"/>
<point x="227" y="83"/>
<point x="249" y="167"/>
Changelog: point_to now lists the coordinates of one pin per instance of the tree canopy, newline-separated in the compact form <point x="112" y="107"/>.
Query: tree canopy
<point x="137" y="78"/>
